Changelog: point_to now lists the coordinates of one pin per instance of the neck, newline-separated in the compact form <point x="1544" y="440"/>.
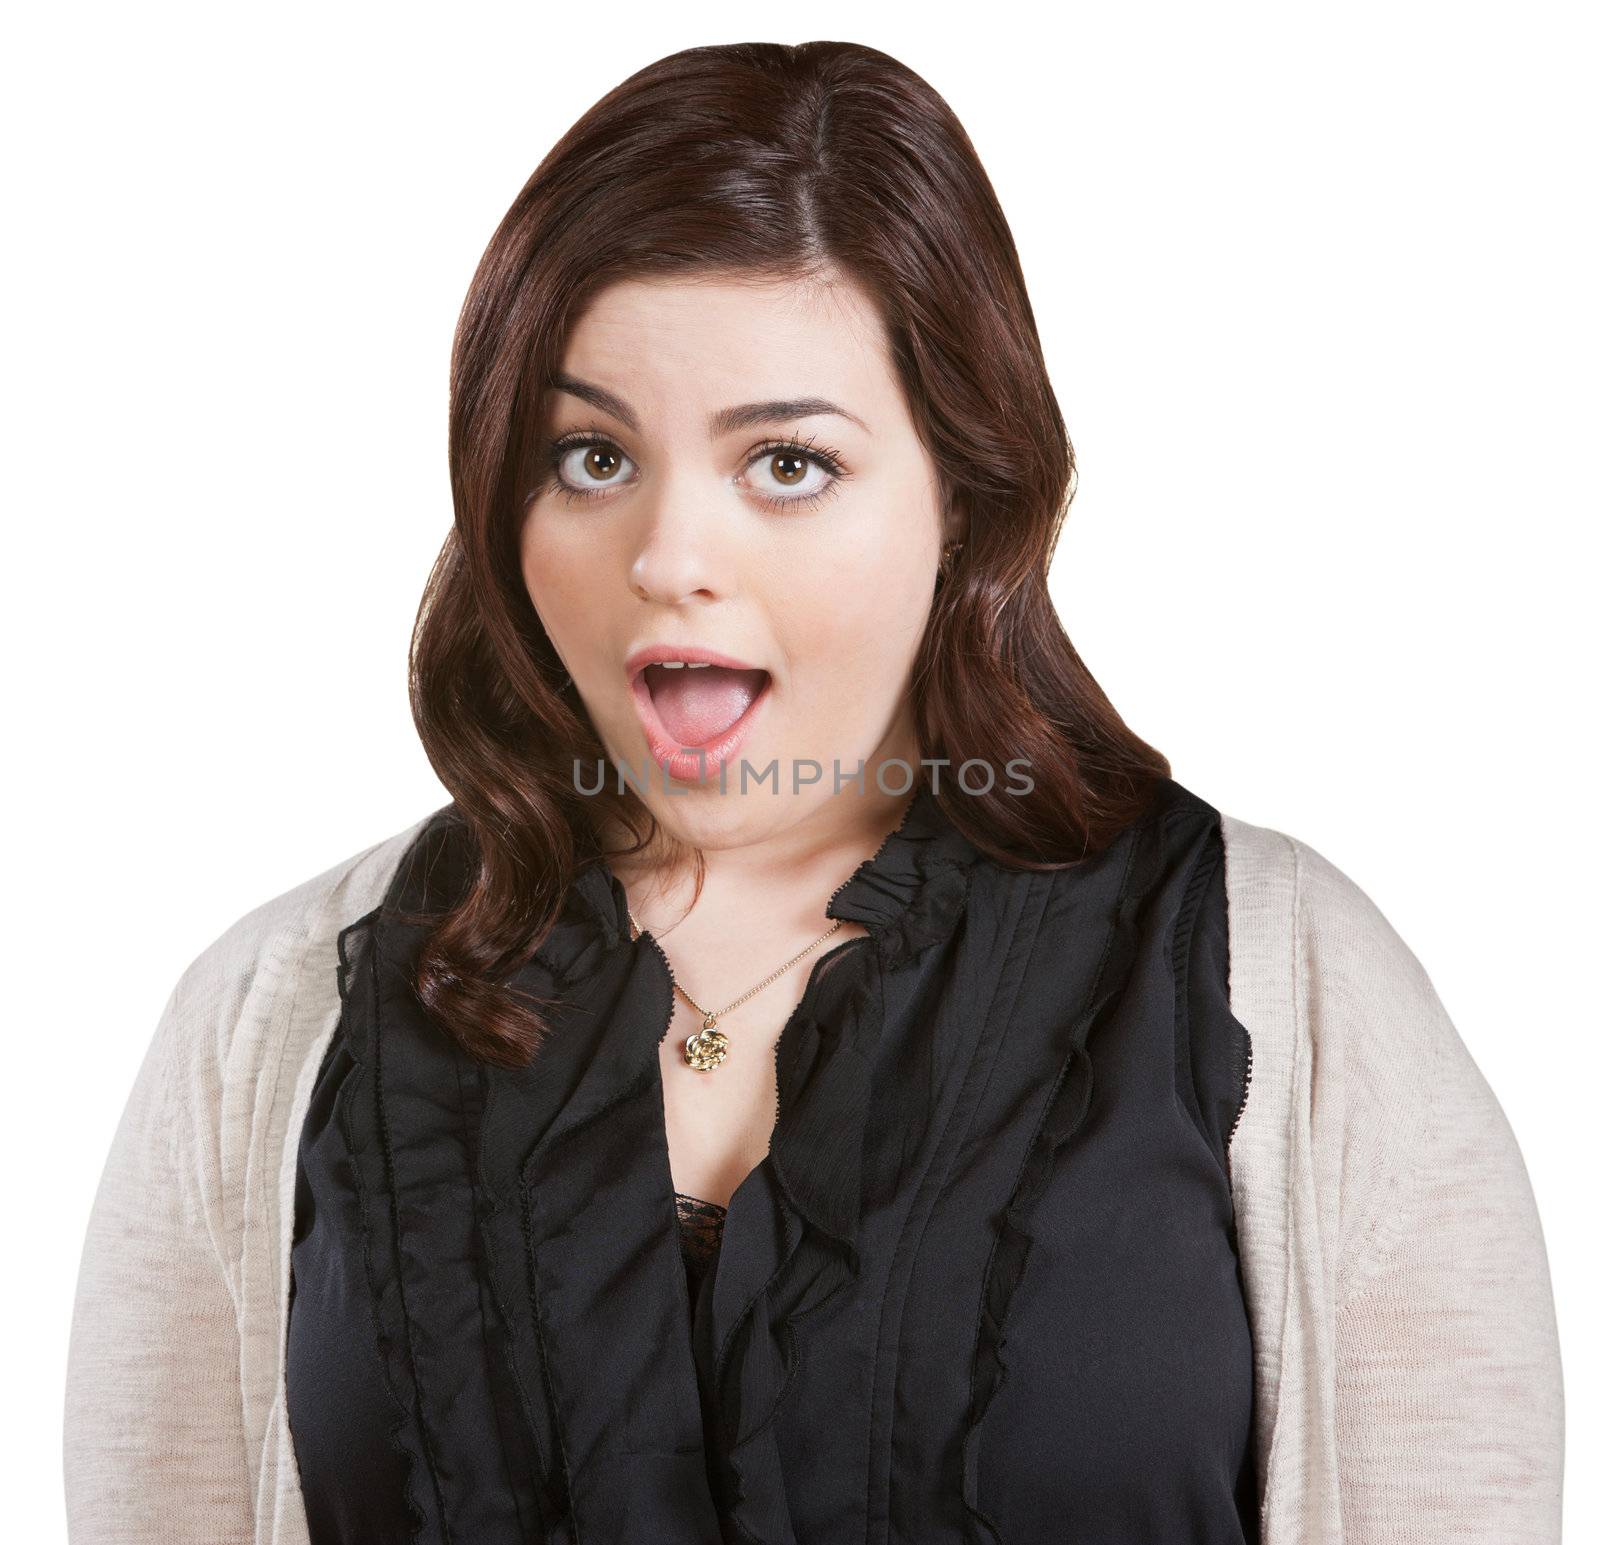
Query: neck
<point x="784" y="857"/>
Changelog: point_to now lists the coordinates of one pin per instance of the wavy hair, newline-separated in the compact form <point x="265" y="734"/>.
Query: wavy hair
<point x="778" y="162"/>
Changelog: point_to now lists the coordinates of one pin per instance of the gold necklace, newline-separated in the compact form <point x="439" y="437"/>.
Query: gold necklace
<point x="708" y="1045"/>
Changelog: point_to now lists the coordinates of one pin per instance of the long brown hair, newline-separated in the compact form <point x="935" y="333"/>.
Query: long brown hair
<point x="777" y="161"/>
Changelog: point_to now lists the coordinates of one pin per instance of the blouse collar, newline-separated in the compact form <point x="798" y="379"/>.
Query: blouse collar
<point x="909" y="894"/>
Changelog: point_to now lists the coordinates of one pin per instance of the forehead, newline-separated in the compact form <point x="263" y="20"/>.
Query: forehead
<point x="686" y="344"/>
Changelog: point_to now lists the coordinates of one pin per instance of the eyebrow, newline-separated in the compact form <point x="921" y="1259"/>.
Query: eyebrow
<point x="723" y="421"/>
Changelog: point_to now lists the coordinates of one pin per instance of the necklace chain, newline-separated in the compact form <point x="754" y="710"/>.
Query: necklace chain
<point x="708" y="1046"/>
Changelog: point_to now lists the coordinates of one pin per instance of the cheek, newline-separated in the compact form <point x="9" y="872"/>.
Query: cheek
<point x="561" y="590"/>
<point x="540" y="557"/>
<point x="865" y="619"/>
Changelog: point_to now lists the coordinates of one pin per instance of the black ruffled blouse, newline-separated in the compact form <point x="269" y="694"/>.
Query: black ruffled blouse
<point x="984" y="1286"/>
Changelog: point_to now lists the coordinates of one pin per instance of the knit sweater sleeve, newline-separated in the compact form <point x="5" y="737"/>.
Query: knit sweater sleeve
<point x="154" y="1448"/>
<point x="1448" y="1394"/>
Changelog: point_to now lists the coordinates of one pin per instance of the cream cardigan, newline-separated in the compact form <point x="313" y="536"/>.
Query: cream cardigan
<point x="1408" y="1375"/>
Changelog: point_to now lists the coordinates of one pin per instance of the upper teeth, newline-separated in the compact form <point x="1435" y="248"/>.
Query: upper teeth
<point x="675" y="665"/>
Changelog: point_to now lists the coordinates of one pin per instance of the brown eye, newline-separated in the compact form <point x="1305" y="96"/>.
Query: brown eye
<point x="599" y="461"/>
<point x="789" y="468"/>
<point x="800" y="474"/>
<point x="585" y="468"/>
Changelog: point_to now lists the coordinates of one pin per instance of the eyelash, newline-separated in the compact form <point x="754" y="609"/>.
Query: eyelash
<point x="822" y="455"/>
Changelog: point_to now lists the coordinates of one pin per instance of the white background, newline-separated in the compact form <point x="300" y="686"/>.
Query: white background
<point x="1317" y="291"/>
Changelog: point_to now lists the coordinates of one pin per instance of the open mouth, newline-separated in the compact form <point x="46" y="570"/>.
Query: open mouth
<point x="694" y="715"/>
<point x="698" y="703"/>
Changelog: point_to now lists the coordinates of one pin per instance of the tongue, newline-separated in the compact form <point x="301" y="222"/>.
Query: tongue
<point x="696" y="705"/>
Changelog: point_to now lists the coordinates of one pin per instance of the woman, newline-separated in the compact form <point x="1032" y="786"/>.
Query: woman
<point x="820" y="1077"/>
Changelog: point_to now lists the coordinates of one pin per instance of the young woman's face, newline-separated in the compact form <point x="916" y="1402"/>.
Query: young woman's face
<point x="729" y="467"/>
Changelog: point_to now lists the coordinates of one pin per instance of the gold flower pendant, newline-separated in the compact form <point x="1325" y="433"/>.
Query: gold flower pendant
<point x="706" y="1047"/>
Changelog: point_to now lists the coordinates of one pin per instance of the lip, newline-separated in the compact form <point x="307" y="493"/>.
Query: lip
<point x="688" y="764"/>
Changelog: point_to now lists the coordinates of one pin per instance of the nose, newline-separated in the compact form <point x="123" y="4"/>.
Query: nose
<point x="678" y="556"/>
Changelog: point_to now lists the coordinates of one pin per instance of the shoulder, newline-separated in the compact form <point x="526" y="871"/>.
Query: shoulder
<point x="215" y="1088"/>
<point x="1308" y="936"/>
<point x="1361" y="1072"/>
<point x="1307" y="940"/>
<point x="271" y="939"/>
<point x="270" y="969"/>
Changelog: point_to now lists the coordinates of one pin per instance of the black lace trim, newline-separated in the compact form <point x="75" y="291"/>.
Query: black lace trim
<point x="700" y="1229"/>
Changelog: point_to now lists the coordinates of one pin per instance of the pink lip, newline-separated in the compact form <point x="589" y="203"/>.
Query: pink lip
<point x="688" y="764"/>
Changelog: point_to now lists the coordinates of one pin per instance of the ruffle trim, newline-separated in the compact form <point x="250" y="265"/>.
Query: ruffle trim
<point x="909" y="894"/>
<point x="1063" y="1116"/>
<point x="383" y="1288"/>
<point x="912" y="892"/>
<point x="420" y="1310"/>
<point x="794" y="1243"/>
